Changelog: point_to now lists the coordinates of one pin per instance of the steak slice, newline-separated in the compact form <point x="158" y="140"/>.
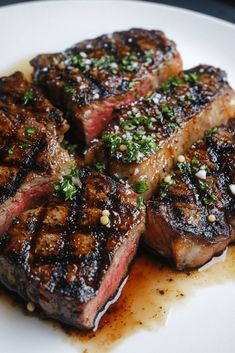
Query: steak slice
<point x="30" y="154"/>
<point x="95" y="76"/>
<point x="62" y="258"/>
<point x="145" y="138"/>
<point x="192" y="218"/>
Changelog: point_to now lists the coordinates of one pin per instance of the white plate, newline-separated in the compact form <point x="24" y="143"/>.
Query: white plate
<point x="206" y="322"/>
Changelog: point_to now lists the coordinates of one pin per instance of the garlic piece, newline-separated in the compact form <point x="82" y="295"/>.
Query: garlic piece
<point x="201" y="174"/>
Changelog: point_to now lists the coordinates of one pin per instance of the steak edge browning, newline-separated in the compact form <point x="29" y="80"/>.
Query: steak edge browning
<point x="95" y="76"/>
<point x="68" y="262"/>
<point x="192" y="218"/>
<point x="146" y="137"/>
<point x="30" y="153"/>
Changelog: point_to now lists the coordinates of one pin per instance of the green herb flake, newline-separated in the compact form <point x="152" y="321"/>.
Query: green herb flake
<point x="100" y="167"/>
<point x="30" y="131"/>
<point x="171" y="82"/>
<point x="131" y="85"/>
<point x="70" y="88"/>
<point x="129" y="62"/>
<point x="188" y="168"/>
<point x="11" y="150"/>
<point x="140" y="187"/>
<point x="105" y="62"/>
<point x="199" y="214"/>
<point x="148" y="57"/>
<point x="69" y="147"/>
<point x="195" y="164"/>
<point x="140" y="203"/>
<point x="78" y="61"/>
<point x="28" y="97"/>
<point x="137" y="146"/>
<point x="191" y="77"/>
<point x="202" y="185"/>
<point x="209" y="199"/>
<point x="137" y="95"/>
<point x="179" y="165"/>
<point x="135" y="121"/>
<point x="189" y="97"/>
<point x="165" y="185"/>
<point x="66" y="186"/>
<point x="24" y="145"/>
<point x="211" y="132"/>
<point x="167" y="111"/>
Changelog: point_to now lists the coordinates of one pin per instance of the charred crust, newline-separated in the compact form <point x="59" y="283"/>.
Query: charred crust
<point x="187" y="204"/>
<point x="63" y="246"/>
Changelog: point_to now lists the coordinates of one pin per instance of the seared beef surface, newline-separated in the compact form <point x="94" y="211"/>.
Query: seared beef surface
<point x="192" y="217"/>
<point x="61" y="257"/>
<point x="30" y="154"/>
<point x="90" y="79"/>
<point x="145" y="137"/>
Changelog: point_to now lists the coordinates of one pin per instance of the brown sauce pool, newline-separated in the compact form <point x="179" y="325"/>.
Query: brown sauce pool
<point x="152" y="289"/>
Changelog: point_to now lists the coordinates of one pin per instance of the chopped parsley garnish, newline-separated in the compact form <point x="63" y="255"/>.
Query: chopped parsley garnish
<point x="180" y="165"/>
<point x="148" y="56"/>
<point x="209" y="199"/>
<point x="105" y="62"/>
<point x="191" y="77"/>
<point x="195" y="164"/>
<point x="70" y="88"/>
<point x="69" y="147"/>
<point x="167" y="111"/>
<point x="136" y="120"/>
<point x="202" y="185"/>
<point x="189" y="97"/>
<point x="211" y="132"/>
<point x="140" y="187"/>
<point x="11" y="150"/>
<point x="171" y="82"/>
<point x="112" y="141"/>
<point x="129" y="62"/>
<point x="140" y="203"/>
<point x="25" y="145"/>
<point x="189" y="168"/>
<point x="138" y="145"/>
<point x="137" y="95"/>
<point x="100" y="167"/>
<point x="78" y="61"/>
<point x="199" y="214"/>
<point x="67" y="185"/>
<point x="30" y="131"/>
<point x="131" y="85"/>
<point x="165" y="185"/>
<point x="28" y="97"/>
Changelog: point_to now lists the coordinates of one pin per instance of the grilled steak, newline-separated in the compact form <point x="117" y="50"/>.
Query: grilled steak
<point x="145" y="137"/>
<point x="192" y="218"/>
<point x="71" y="256"/>
<point x="90" y="79"/>
<point x="30" y="131"/>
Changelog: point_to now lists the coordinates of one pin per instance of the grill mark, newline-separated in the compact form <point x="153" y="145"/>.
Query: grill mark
<point x="26" y="167"/>
<point x="133" y="44"/>
<point x="216" y="150"/>
<point x="33" y="258"/>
